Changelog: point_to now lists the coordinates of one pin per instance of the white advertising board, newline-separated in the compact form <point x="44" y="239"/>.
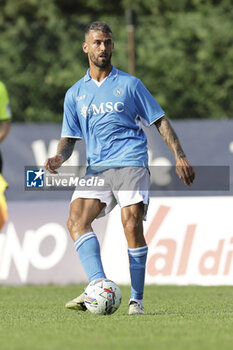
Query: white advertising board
<point x="190" y="241"/>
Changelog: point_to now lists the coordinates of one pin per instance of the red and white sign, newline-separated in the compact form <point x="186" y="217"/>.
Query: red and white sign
<point x="190" y="241"/>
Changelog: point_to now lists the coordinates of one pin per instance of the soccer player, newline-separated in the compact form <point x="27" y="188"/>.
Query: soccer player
<point x="5" y="119"/>
<point x="5" y="116"/>
<point x="106" y="108"/>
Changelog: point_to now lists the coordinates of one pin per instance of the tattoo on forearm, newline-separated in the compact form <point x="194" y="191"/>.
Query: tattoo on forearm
<point x="65" y="147"/>
<point x="170" y="137"/>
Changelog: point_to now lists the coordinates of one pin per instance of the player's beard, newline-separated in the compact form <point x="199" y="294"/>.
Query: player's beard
<point x="100" y="62"/>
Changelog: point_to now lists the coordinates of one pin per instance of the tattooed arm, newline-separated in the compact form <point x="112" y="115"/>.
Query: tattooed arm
<point x="64" y="150"/>
<point x="183" y="168"/>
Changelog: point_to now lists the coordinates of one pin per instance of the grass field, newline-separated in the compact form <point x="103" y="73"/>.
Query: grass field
<point x="34" y="317"/>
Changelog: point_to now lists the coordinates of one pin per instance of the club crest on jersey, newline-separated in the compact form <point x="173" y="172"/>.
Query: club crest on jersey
<point x="118" y="92"/>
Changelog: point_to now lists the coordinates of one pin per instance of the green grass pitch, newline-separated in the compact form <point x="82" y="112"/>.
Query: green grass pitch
<point x="177" y="317"/>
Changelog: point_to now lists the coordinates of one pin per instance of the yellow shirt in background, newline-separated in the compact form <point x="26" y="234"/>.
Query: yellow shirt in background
<point x="5" y="110"/>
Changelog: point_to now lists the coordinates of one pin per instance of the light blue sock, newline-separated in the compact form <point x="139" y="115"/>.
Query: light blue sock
<point x="137" y="264"/>
<point x="88" y="249"/>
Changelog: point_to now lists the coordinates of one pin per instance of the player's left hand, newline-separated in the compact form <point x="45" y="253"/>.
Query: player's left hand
<point x="185" y="171"/>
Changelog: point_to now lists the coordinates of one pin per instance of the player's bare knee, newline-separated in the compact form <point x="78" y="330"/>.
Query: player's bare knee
<point x="76" y="227"/>
<point x="132" y="224"/>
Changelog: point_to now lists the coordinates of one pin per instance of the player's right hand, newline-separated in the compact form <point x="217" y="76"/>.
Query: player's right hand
<point x="53" y="163"/>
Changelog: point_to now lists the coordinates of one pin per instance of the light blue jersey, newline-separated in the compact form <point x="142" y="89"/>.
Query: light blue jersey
<point x="109" y="118"/>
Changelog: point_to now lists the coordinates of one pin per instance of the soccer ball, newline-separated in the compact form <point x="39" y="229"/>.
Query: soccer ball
<point x="102" y="296"/>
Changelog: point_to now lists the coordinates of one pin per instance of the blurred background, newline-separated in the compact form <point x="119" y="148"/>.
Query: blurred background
<point x="183" y="52"/>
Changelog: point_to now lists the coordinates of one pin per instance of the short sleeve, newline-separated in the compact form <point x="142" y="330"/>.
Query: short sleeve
<point x="70" y="125"/>
<point x="147" y="107"/>
<point x="5" y="110"/>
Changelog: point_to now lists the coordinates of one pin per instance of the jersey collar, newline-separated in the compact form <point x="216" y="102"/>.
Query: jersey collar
<point x="113" y="73"/>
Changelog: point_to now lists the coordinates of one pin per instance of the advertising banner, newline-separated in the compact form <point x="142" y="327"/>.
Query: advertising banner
<point x="35" y="246"/>
<point x="190" y="241"/>
<point x="208" y="145"/>
<point x="189" y="231"/>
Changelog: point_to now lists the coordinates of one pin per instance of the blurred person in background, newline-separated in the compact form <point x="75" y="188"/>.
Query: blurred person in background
<point x="5" y="122"/>
<point x="5" y="116"/>
<point x="106" y="108"/>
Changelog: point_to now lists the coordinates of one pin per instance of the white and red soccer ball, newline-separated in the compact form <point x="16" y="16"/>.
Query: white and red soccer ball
<point x="102" y="296"/>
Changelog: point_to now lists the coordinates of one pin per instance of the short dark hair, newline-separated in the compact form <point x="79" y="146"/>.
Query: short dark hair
<point x="97" y="25"/>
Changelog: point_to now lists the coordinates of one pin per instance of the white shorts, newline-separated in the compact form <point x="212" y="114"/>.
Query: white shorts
<point x="124" y="186"/>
